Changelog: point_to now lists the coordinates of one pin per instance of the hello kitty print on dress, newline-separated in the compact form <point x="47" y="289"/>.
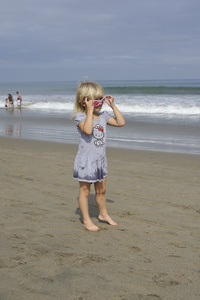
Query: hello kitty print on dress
<point x="98" y="133"/>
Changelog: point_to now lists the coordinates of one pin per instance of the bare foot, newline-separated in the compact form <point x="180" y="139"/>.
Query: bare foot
<point x="108" y="220"/>
<point x="91" y="227"/>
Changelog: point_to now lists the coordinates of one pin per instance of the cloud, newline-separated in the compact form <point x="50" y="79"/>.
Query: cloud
<point x="74" y="36"/>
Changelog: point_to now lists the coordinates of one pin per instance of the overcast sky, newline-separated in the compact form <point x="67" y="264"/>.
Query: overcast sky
<point x="53" y="40"/>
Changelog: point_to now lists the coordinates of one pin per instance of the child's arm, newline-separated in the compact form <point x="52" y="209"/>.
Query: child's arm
<point x="87" y="125"/>
<point x="118" y="121"/>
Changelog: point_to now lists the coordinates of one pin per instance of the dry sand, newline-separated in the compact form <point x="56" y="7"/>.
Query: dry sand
<point x="46" y="253"/>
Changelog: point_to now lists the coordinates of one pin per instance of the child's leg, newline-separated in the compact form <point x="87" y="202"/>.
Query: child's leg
<point x="100" y="189"/>
<point x="83" y="204"/>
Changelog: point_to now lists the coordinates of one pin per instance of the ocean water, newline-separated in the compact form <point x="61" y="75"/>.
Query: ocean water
<point x="161" y="115"/>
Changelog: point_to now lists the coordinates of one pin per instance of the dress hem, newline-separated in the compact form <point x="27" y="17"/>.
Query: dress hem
<point x="89" y="181"/>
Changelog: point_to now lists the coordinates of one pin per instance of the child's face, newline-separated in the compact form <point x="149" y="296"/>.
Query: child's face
<point x="97" y="109"/>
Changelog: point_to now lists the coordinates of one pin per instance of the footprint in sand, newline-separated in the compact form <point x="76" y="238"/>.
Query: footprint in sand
<point x="78" y="260"/>
<point x="145" y="297"/>
<point x="163" y="280"/>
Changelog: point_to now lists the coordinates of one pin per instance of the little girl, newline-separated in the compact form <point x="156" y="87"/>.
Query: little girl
<point x="90" y="164"/>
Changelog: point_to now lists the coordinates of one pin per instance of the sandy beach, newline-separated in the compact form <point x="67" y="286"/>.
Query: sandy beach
<point x="46" y="253"/>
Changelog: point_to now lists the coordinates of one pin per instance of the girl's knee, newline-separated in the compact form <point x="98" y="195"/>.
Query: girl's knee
<point x="85" y="189"/>
<point x="100" y="190"/>
<point x="100" y="187"/>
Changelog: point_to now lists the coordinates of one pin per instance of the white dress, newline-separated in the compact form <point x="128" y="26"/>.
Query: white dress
<point x="90" y="164"/>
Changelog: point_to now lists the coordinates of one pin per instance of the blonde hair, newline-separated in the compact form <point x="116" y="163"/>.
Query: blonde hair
<point x="90" y="90"/>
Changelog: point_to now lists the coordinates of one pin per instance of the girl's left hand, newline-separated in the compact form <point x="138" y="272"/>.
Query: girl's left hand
<point x="110" y="100"/>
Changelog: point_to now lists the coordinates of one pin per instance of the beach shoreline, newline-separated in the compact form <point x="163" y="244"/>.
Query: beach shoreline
<point x="160" y="115"/>
<point x="139" y="133"/>
<point x="47" y="254"/>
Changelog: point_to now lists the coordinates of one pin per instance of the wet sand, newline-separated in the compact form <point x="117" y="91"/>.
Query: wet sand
<point x="46" y="253"/>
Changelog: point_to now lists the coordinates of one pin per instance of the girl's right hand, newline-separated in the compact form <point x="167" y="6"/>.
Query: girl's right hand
<point x="89" y="104"/>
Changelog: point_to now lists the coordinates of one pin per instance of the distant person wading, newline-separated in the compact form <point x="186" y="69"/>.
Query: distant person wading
<point x="9" y="102"/>
<point x="19" y="99"/>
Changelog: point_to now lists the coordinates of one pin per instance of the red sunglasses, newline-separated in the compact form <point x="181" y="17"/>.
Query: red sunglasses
<point x="97" y="103"/>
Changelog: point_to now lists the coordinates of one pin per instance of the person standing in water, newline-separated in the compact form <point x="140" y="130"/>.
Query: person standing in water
<point x="19" y="99"/>
<point x="9" y="102"/>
